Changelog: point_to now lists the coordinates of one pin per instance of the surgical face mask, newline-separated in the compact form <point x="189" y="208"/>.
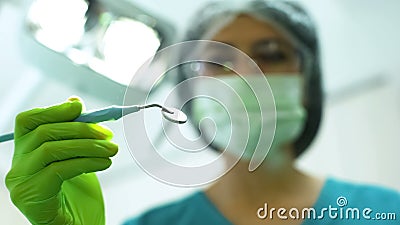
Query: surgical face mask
<point x="231" y="118"/>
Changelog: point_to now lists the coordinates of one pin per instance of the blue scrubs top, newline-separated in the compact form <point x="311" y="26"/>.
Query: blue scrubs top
<point x="339" y="203"/>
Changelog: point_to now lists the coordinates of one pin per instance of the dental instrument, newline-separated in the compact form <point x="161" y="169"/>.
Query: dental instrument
<point x="116" y="112"/>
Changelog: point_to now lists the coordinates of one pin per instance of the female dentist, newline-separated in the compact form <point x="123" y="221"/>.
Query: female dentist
<point x="51" y="181"/>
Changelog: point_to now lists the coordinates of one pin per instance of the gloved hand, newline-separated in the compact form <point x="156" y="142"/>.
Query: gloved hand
<point x="51" y="179"/>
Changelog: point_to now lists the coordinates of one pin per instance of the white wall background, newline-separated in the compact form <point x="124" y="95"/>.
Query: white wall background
<point x="359" y="138"/>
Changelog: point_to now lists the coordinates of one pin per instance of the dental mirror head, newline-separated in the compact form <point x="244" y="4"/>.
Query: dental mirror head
<point x="174" y="115"/>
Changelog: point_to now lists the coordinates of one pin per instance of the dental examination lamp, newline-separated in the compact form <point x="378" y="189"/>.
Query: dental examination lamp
<point x="95" y="46"/>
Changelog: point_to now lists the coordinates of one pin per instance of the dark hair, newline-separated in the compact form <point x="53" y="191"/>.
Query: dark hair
<point x="292" y="18"/>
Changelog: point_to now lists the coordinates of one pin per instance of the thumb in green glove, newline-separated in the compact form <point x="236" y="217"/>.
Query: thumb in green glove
<point x="51" y="179"/>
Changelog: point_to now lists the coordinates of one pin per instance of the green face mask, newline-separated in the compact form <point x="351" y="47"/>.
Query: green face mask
<point x="233" y="119"/>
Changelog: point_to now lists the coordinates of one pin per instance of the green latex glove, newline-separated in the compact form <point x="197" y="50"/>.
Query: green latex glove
<point x="51" y="180"/>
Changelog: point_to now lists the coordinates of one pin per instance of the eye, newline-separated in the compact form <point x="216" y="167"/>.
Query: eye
<point x="218" y="63"/>
<point x="221" y="59"/>
<point x="271" y="51"/>
<point x="271" y="57"/>
<point x="217" y="68"/>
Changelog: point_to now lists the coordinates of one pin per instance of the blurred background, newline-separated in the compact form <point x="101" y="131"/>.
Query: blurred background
<point x="48" y="54"/>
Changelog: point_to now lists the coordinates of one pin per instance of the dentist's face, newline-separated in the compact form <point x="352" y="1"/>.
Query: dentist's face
<point x="264" y="43"/>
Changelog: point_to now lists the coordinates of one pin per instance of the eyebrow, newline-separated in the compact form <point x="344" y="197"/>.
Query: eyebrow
<point x="267" y="40"/>
<point x="217" y="48"/>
